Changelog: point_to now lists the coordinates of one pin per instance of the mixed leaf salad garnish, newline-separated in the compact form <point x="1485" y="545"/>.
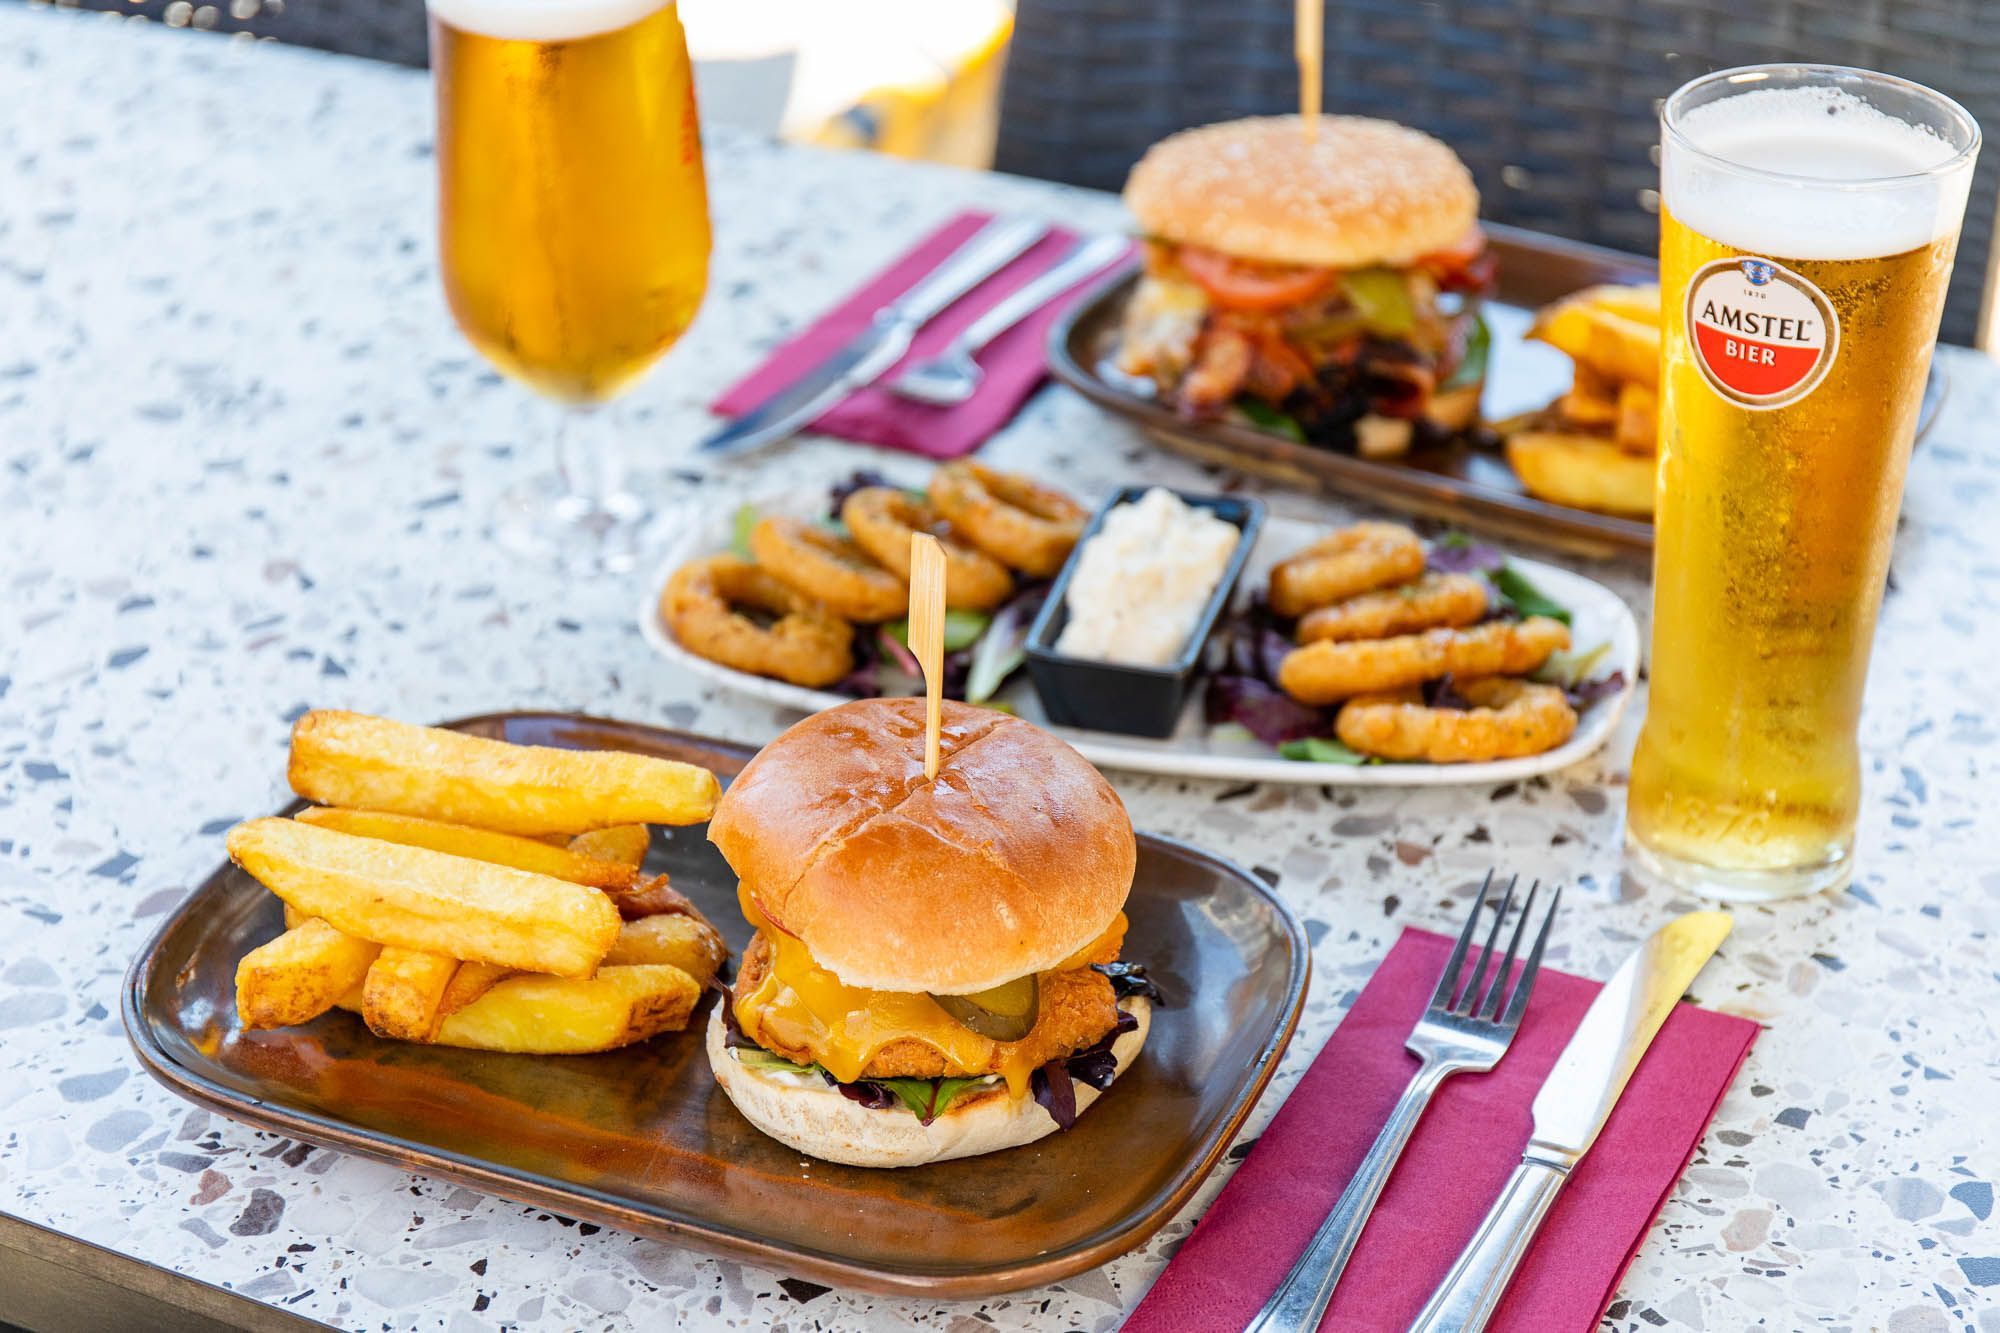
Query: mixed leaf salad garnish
<point x="1053" y="1084"/>
<point x="1243" y="688"/>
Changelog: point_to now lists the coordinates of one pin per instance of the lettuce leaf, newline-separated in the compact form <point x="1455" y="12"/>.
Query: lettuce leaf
<point x="739" y="530"/>
<point x="1266" y="417"/>
<point x="1524" y="597"/>
<point x="1321" y="750"/>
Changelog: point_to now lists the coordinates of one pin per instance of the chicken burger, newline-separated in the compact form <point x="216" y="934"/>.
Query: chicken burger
<point x="934" y="972"/>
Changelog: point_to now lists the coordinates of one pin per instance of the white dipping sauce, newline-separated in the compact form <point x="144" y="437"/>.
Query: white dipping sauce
<point x="1142" y="580"/>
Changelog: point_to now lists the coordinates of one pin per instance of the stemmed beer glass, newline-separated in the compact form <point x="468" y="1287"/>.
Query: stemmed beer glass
<point x="573" y="233"/>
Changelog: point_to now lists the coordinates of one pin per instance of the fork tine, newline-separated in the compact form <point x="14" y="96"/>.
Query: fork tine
<point x="1518" y="1002"/>
<point x="1448" y="983"/>
<point x="1498" y="994"/>
<point x="1470" y="1000"/>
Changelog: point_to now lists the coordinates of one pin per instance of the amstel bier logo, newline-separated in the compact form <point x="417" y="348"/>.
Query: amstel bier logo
<point x="1762" y="335"/>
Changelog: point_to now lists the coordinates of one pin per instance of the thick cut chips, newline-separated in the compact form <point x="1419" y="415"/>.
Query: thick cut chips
<point x="431" y="902"/>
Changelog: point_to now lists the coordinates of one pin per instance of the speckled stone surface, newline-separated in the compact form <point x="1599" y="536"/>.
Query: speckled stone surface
<point x="244" y="465"/>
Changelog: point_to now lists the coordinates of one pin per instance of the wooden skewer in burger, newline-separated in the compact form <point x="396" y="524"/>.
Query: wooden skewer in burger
<point x="938" y="896"/>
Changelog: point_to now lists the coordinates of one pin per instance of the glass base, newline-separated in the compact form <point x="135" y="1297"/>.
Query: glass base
<point x="544" y="520"/>
<point x="1656" y="869"/>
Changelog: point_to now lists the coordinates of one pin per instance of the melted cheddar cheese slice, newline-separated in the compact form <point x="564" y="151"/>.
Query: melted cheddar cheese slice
<point x="800" y="1005"/>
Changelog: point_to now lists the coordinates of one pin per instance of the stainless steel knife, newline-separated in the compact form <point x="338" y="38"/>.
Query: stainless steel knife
<point x="882" y="344"/>
<point x="1569" y="1111"/>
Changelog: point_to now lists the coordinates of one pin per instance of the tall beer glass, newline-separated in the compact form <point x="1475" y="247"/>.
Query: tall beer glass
<point x="1808" y="219"/>
<point x="572" y="226"/>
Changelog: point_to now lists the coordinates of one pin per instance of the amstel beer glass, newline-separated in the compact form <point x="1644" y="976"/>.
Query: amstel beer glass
<point x="1808" y="219"/>
<point x="573" y="226"/>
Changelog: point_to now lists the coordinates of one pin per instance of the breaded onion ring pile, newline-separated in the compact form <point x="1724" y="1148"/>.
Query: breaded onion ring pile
<point x="1373" y="626"/>
<point x="791" y="612"/>
<point x="789" y="636"/>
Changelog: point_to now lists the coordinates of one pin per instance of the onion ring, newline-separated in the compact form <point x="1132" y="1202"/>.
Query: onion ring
<point x="1015" y="519"/>
<point x="829" y="568"/>
<point x="1509" y="719"/>
<point x="1449" y="601"/>
<point x="1350" y="560"/>
<point x="806" y="644"/>
<point x="1327" y="672"/>
<point x="881" y="519"/>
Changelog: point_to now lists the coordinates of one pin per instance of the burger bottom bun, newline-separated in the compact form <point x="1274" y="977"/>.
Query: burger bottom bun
<point x="821" y="1123"/>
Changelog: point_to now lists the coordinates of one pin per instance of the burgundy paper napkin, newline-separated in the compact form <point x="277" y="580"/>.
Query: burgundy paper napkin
<point x="1014" y="362"/>
<point x="1454" y="1167"/>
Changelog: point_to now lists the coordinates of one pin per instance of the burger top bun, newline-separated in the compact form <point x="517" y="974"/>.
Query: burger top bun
<point x="1362" y="192"/>
<point x="1017" y="857"/>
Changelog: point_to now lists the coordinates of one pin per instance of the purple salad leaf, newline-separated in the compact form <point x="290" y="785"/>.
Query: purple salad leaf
<point x="859" y="480"/>
<point x="1586" y="693"/>
<point x="1456" y="553"/>
<point x="1265" y="711"/>
<point x="1056" y="1094"/>
<point x="1444" y="693"/>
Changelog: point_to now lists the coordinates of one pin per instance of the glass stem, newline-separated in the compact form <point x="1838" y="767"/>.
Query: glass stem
<point x="590" y="461"/>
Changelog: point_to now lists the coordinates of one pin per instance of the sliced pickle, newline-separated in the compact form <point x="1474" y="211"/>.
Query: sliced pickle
<point x="1005" y="1013"/>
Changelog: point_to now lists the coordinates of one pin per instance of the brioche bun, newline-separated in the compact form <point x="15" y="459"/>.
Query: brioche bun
<point x="1363" y="192"/>
<point x="1014" y="859"/>
<point x="818" y="1121"/>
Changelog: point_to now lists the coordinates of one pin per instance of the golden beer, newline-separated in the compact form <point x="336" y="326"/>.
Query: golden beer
<point x="1800" y="314"/>
<point x="573" y="211"/>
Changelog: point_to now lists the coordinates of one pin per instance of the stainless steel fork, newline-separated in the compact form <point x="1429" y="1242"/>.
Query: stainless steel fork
<point x="1465" y="1028"/>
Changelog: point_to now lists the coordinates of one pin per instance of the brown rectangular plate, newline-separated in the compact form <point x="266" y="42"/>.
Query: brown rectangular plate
<point x="1459" y="483"/>
<point x="643" y="1140"/>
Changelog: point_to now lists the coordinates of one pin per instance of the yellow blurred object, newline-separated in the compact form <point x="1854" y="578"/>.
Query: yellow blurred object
<point x="1613" y="330"/>
<point x="1582" y="471"/>
<point x="911" y="78"/>
<point x="1595" y="446"/>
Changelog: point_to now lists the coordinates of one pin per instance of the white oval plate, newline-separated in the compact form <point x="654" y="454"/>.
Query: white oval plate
<point x="1600" y="616"/>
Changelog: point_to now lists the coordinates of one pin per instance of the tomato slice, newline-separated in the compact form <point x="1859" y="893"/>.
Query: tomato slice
<point x="1231" y="282"/>
<point x="1459" y="253"/>
<point x="1467" y="265"/>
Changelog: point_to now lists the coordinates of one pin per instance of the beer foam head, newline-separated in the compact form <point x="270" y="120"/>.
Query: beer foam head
<point x="1811" y="172"/>
<point x="543" y="20"/>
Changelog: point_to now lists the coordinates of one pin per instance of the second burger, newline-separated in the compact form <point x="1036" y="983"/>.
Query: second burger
<point x="1323" y="285"/>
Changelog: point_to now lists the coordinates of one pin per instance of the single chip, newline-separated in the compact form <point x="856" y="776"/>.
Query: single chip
<point x="686" y="942"/>
<point x="1583" y="471"/>
<point x="1638" y="427"/>
<point x="502" y="849"/>
<point x="299" y="975"/>
<point x="471" y="981"/>
<point x="402" y="992"/>
<point x="531" y="1015"/>
<point x="371" y="763"/>
<point x="626" y="844"/>
<point x="431" y="902"/>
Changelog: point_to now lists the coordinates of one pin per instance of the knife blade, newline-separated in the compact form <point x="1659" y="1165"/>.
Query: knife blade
<point x="882" y="344"/>
<point x="1571" y="1109"/>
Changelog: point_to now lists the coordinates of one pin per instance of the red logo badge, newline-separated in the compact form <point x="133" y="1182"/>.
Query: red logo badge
<point x="1762" y="335"/>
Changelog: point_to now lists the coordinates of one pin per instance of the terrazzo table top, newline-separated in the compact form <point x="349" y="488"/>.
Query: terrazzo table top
<point x="245" y="461"/>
